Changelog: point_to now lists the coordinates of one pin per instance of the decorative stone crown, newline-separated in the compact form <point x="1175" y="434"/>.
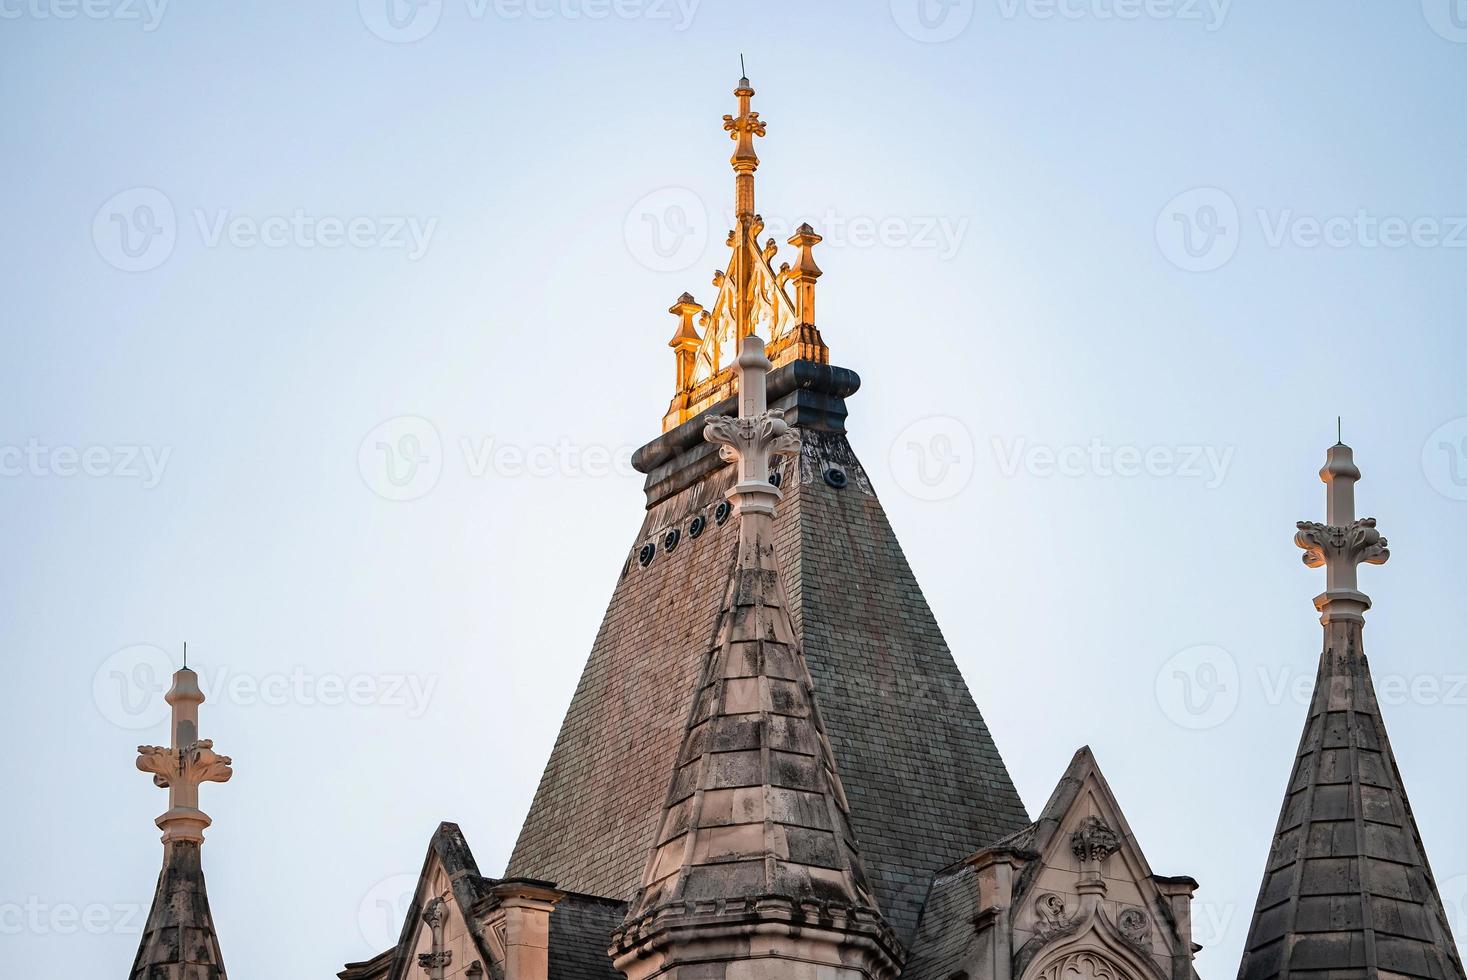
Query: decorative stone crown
<point x="752" y="296"/>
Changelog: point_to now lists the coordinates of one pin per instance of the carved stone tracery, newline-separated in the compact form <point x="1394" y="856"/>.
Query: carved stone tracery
<point x="1084" y="964"/>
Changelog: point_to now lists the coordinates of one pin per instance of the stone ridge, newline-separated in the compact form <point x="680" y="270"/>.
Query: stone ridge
<point x="1347" y="891"/>
<point x="755" y="807"/>
<point x="179" y="942"/>
<point x="925" y="782"/>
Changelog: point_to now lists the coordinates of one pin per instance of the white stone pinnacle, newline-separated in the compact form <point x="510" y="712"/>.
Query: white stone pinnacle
<point x="182" y="767"/>
<point x="753" y="439"/>
<point x="1342" y="544"/>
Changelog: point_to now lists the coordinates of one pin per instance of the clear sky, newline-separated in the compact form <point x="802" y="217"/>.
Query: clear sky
<point x="1109" y="270"/>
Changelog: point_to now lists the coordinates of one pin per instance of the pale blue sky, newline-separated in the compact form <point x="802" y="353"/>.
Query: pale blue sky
<point x="1005" y="190"/>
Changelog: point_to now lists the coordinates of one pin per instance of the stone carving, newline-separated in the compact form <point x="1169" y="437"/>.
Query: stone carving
<point x="1094" y="840"/>
<point x="1083" y="965"/>
<point x="1135" y="927"/>
<point x="435" y="916"/>
<point x="195" y="763"/>
<point x="1051" y="915"/>
<point x="752" y="439"/>
<point x="1342" y="544"/>
<point x="1358" y="543"/>
<point x="736" y="436"/>
<point x="186" y="765"/>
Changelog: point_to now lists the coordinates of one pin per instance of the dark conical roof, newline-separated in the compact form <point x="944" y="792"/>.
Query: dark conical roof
<point x="927" y="784"/>
<point x="1347" y="892"/>
<point x="178" y="941"/>
<point x="755" y="806"/>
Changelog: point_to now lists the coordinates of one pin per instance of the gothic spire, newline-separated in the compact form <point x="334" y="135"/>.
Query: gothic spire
<point x="1347" y="891"/>
<point x="179" y="942"/>
<point x="752" y="295"/>
<point x="756" y="827"/>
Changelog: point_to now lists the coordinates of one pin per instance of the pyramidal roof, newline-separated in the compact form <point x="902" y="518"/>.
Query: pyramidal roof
<point x="756" y="826"/>
<point x="1347" y="891"/>
<point x="927" y="783"/>
<point x="755" y="806"/>
<point x="179" y="942"/>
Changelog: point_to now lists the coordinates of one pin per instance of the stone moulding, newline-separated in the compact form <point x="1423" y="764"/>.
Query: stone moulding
<point x="688" y="924"/>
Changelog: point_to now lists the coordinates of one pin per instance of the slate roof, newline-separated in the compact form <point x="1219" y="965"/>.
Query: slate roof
<point x="580" y="933"/>
<point x="179" y="942"/>
<point x="925" y="782"/>
<point x="1347" y="891"/>
<point x="755" y="806"/>
<point x="944" y="939"/>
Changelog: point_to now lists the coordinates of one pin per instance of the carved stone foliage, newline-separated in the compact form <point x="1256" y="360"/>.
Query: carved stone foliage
<point x="1093" y="840"/>
<point x="1083" y="965"/>
<point x="1051" y="915"/>
<point x="435" y="961"/>
<point x="766" y="434"/>
<point x="1134" y="926"/>
<point x="1356" y="544"/>
<point x="193" y="764"/>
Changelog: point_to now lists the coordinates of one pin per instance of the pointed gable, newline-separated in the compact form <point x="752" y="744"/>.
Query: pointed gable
<point x="493" y="929"/>
<point x="1071" y="896"/>
<point x="1092" y="885"/>
<point x="1347" y="891"/>
<point x="450" y="877"/>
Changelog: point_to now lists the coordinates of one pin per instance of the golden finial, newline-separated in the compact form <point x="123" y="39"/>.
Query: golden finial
<point x="686" y="341"/>
<point x="805" y="272"/>
<point x="742" y="129"/>
<point x="751" y="298"/>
